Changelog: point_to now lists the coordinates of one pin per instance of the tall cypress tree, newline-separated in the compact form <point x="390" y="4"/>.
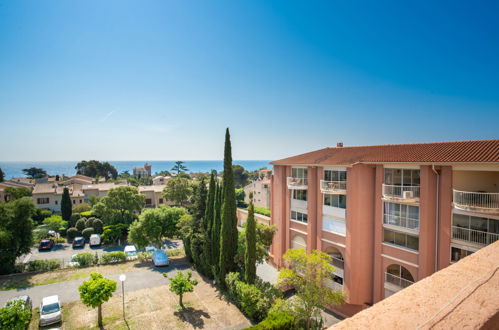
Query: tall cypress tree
<point x="250" y="253"/>
<point x="215" y="231"/>
<point x="228" y="231"/>
<point x="66" y="207"/>
<point x="209" y="216"/>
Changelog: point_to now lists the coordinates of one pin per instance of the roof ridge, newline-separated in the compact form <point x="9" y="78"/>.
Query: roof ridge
<point x="410" y="144"/>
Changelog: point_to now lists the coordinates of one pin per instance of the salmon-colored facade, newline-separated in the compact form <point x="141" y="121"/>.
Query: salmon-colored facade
<point x="386" y="224"/>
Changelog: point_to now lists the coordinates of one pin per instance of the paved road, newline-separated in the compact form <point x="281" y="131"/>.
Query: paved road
<point x="147" y="277"/>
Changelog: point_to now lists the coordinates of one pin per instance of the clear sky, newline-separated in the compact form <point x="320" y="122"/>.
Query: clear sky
<point x="159" y="80"/>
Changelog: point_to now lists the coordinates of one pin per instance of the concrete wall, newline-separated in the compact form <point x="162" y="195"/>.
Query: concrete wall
<point x="487" y="181"/>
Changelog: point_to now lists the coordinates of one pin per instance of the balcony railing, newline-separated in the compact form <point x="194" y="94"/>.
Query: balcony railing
<point x="476" y="201"/>
<point x="394" y="220"/>
<point x="474" y="236"/>
<point x="338" y="263"/>
<point x="401" y="192"/>
<point x="397" y="281"/>
<point x="297" y="183"/>
<point x="334" y="285"/>
<point x="333" y="187"/>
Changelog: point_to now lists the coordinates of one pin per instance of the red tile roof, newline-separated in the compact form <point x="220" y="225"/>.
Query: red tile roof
<point x="477" y="151"/>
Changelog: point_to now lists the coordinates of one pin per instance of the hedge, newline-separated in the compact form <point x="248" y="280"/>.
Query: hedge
<point x="113" y="257"/>
<point x="84" y="259"/>
<point x="262" y="210"/>
<point x="276" y="321"/>
<point x="42" y="265"/>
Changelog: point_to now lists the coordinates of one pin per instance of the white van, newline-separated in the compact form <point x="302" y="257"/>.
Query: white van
<point x="95" y="240"/>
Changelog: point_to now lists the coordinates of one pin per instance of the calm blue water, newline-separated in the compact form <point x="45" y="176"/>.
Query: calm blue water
<point x="14" y="169"/>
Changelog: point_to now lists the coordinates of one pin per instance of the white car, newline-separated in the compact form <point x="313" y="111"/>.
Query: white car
<point x="130" y="251"/>
<point x="50" y="311"/>
<point x="95" y="240"/>
<point x="72" y="262"/>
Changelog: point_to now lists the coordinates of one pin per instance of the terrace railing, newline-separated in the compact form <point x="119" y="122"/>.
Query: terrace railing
<point x="297" y="183"/>
<point x="474" y="236"/>
<point x="397" y="280"/>
<point x="401" y="192"/>
<point x="481" y="201"/>
<point x="394" y="220"/>
<point x="332" y="187"/>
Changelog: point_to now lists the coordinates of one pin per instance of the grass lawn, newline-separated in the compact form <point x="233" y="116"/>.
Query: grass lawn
<point x="157" y="308"/>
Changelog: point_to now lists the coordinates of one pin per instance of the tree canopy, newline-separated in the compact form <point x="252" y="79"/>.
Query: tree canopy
<point x="2" y="175"/>
<point x="120" y="205"/>
<point x="66" y="205"/>
<point x="179" y="167"/>
<point x="250" y="253"/>
<point x="96" y="291"/>
<point x="181" y="283"/>
<point x="55" y="223"/>
<point x="94" y="168"/>
<point x="264" y="235"/>
<point x="14" y="315"/>
<point x="178" y="190"/>
<point x="155" y="224"/>
<point x="17" y="192"/>
<point x="35" y="172"/>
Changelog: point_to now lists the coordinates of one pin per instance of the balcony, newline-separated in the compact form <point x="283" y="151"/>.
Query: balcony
<point x="297" y="183"/>
<point x="474" y="236"/>
<point x="412" y="224"/>
<point x="483" y="202"/>
<point x="333" y="187"/>
<point x="338" y="265"/>
<point x="401" y="193"/>
<point x="334" y="285"/>
<point x="397" y="281"/>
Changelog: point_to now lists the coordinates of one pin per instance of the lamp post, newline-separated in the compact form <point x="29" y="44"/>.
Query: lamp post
<point x="123" y="279"/>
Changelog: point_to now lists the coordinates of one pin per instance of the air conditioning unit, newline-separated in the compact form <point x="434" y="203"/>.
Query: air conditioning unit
<point x="407" y="194"/>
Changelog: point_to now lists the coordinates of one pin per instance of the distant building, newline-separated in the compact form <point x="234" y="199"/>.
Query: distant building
<point x="142" y="172"/>
<point x="160" y="180"/>
<point x="260" y="189"/>
<point x="153" y="195"/>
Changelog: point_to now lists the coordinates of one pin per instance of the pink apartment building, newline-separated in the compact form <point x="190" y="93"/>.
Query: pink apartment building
<point x="388" y="215"/>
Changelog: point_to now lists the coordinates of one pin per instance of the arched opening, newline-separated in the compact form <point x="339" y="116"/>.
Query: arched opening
<point x="397" y="277"/>
<point x="339" y="265"/>
<point x="298" y="242"/>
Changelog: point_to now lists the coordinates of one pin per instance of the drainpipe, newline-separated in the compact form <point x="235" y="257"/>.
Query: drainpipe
<point x="437" y="216"/>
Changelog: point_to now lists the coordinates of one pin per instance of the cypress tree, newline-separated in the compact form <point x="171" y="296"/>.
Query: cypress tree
<point x="228" y="230"/>
<point x="215" y="231"/>
<point x="200" y="200"/>
<point x="209" y="215"/>
<point x="66" y="207"/>
<point x="250" y="253"/>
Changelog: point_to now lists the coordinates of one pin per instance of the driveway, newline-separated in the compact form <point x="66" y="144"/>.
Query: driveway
<point x="146" y="277"/>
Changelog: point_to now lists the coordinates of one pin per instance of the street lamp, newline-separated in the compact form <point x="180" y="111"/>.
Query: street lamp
<point x="123" y="279"/>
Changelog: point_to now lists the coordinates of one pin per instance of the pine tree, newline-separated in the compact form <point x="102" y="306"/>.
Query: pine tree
<point x="228" y="230"/>
<point x="250" y="253"/>
<point x="66" y="207"/>
<point x="215" y="231"/>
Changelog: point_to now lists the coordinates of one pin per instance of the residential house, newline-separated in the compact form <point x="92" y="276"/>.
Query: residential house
<point x="142" y="172"/>
<point x="153" y="195"/>
<point x="48" y="195"/>
<point x="160" y="180"/>
<point x="260" y="189"/>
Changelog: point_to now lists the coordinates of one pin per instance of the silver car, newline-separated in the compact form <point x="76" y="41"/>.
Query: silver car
<point x="50" y="311"/>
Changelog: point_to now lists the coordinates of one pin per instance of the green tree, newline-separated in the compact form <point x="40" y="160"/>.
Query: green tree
<point x="17" y="192"/>
<point x="80" y="224"/>
<point x="114" y="233"/>
<point x="14" y="315"/>
<point x="178" y="190"/>
<point x="240" y="176"/>
<point x="2" y="175"/>
<point x="96" y="291"/>
<point x="199" y="201"/>
<point x="228" y="231"/>
<point x="185" y="228"/>
<point x="35" y="172"/>
<point x="215" y="232"/>
<point x="307" y="274"/>
<point x="16" y="231"/>
<point x="55" y="223"/>
<point x="66" y="205"/>
<point x="250" y="253"/>
<point x="264" y="236"/>
<point x="94" y="169"/>
<point x="209" y="215"/>
<point x="98" y="226"/>
<point x="240" y="197"/>
<point x="180" y="284"/>
<point x="120" y="205"/>
<point x="179" y="167"/>
<point x="155" y="224"/>
<point x="84" y="207"/>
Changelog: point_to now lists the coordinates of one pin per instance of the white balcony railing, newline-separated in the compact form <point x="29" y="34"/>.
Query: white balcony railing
<point x="397" y="281"/>
<point x="394" y="220"/>
<point x="474" y="236"/>
<point x="401" y="192"/>
<point x="480" y="201"/>
<point x="333" y="285"/>
<point x="297" y="183"/>
<point x="333" y="187"/>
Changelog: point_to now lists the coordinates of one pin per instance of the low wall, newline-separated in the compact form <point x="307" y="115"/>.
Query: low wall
<point x="242" y="215"/>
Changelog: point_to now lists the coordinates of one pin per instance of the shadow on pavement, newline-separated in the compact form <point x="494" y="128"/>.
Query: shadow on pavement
<point x="175" y="264"/>
<point x="193" y="316"/>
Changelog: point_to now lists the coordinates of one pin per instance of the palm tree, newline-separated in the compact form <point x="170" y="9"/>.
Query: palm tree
<point x="179" y="167"/>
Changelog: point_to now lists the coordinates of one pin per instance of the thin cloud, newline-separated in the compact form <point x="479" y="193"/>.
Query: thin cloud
<point x="109" y="114"/>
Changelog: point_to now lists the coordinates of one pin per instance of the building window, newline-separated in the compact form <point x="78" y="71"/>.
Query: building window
<point x="300" y="195"/>
<point x="401" y="177"/>
<point x="81" y="201"/>
<point x="401" y="239"/>
<point x="401" y="215"/>
<point x="478" y="230"/>
<point x="161" y="201"/>
<point x="56" y="202"/>
<point x="334" y="225"/>
<point x="339" y="201"/>
<point x="335" y="175"/>
<point x="299" y="173"/>
<point x="459" y="253"/>
<point x="74" y="201"/>
<point x="148" y="201"/>
<point x="43" y="200"/>
<point x="298" y="216"/>
<point x="298" y="242"/>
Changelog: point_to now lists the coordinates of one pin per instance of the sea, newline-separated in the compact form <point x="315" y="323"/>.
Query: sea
<point x="15" y="169"/>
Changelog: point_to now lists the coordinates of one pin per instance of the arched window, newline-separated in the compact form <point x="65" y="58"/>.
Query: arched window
<point x="336" y="257"/>
<point x="397" y="277"/>
<point x="298" y="243"/>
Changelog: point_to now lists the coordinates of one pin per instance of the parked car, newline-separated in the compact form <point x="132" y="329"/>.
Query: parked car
<point x="95" y="240"/>
<point x="130" y="250"/>
<point x="50" y="311"/>
<point x="78" y="242"/>
<point x="45" y="244"/>
<point x="160" y="258"/>
<point x="25" y="299"/>
<point x="150" y="249"/>
<point x="72" y="262"/>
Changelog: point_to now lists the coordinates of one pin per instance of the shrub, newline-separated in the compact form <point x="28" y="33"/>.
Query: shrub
<point x="276" y="321"/>
<point x="262" y="210"/>
<point x="113" y="257"/>
<point x="14" y="315"/>
<point x="175" y="252"/>
<point x="58" y="239"/>
<point x="82" y="208"/>
<point x="41" y="215"/>
<point x="87" y="232"/>
<point x="80" y="224"/>
<point x="40" y="233"/>
<point x="98" y="226"/>
<point x="144" y="256"/>
<point x="62" y="231"/>
<point x="74" y="217"/>
<point x="84" y="259"/>
<point x="71" y="233"/>
<point x="86" y="213"/>
<point x="43" y="265"/>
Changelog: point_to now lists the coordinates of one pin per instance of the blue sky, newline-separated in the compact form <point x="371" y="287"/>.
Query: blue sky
<point x="158" y="80"/>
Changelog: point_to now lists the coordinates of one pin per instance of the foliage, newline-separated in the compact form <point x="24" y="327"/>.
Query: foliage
<point x="87" y="232"/>
<point x="59" y="240"/>
<point x="89" y="222"/>
<point x="240" y="176"/>
<point x="94" y="169"/>
<point x="113" y="257"/>
<point x="80" y="224"/>
<point x="84" y="259"/>
<point x="35" y="172"/>
<point x="43" y="265"/>
<point x="178" y="190"/>
<point x="144" y="256"/>
<point x="71" y="233"/>
<point x="175" y="252"/>
<point x="98" y="226"/>
<point x="86" y="213"/>
<point x="74" y="217"/>
<point x="16" y="231"/>
<point x="93" y="199"/>
<point x="113" y="233"/>
<point x="264" y="236"/>
<point x="14" y="315"/>
<point x="307" y="274"/>
<point x="179" y="167"/>
<point x="55" y="223"/>
<point x="262" y="210"/>
<point x="184" y="226"/>
<point x="240" y="197"/>
<point x="155" y="224"/>
<point x="84" y="207"/>
<point x="66" y="205"/>
<point x="96" y="291"/>
<point x="228" y="230"/>
<point x="40" y="215"/>
<point x="199" y="196"/>
<point x="250" y="246"/>
<point x="17" y="192"/>
<point x="181" y="283"/>
<point x="120" y="205"/>
<point x="276" y="321"/>
<point x="2" y="175"/>
<point x="215" y="232"/>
